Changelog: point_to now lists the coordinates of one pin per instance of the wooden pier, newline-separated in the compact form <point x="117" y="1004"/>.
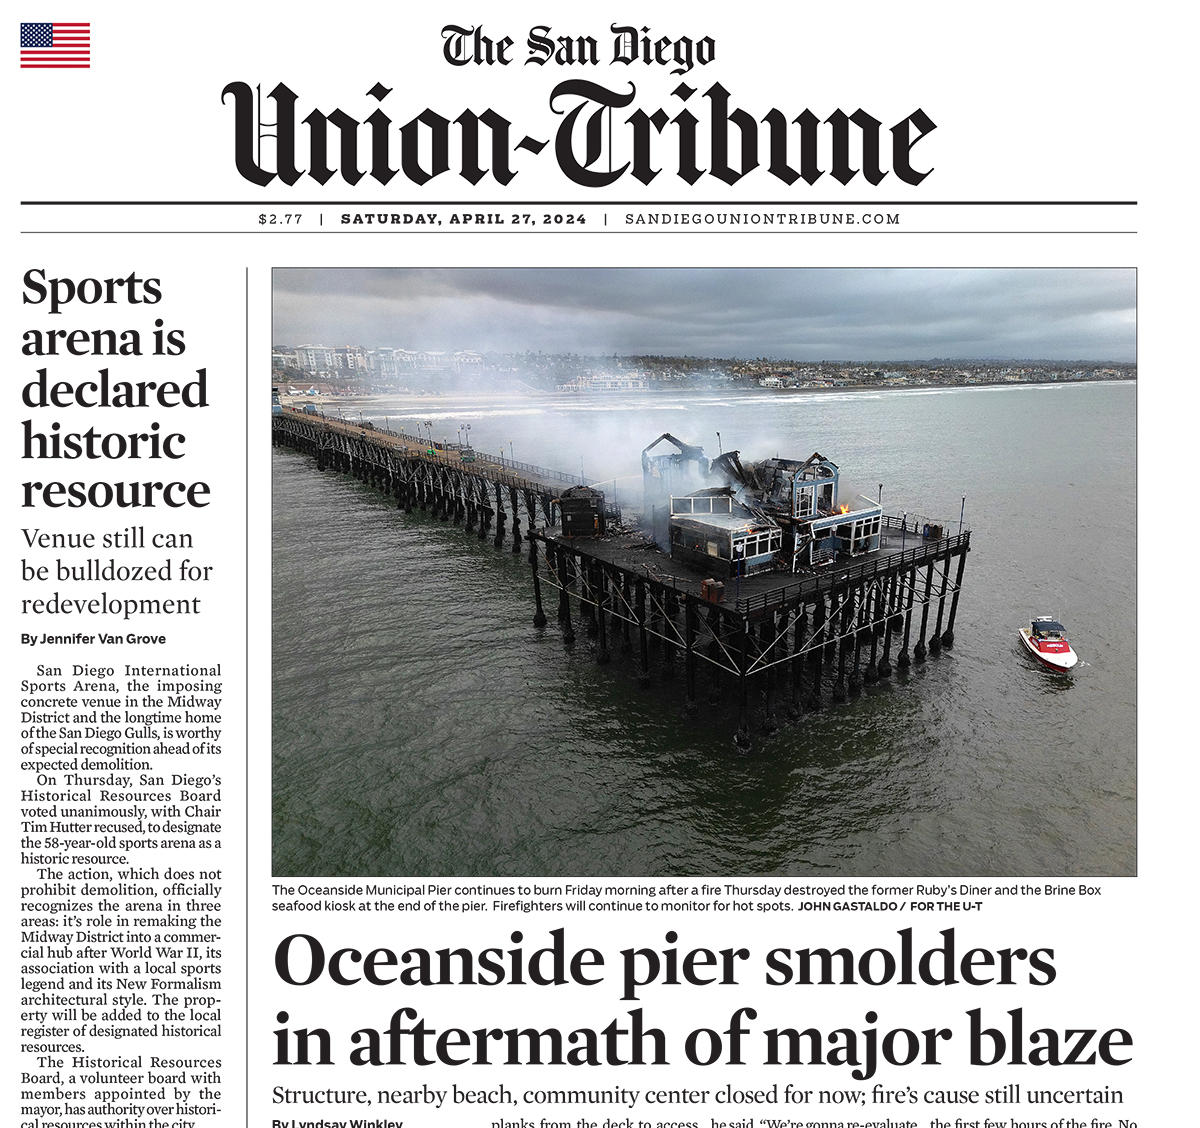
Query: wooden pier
<point x="800" y="639"/>
<point x="455" y="483"/>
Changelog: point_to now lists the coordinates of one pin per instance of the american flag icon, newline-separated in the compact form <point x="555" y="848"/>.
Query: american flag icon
<point x="56" y="45"/>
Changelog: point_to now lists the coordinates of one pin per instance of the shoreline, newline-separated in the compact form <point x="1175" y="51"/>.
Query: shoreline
<point x="648" y="393"/>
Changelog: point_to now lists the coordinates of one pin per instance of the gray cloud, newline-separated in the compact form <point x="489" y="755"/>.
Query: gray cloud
<point x="804" y="314"/>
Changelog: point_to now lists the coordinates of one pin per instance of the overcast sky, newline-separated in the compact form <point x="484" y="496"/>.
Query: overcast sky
<point x="802" y="314"/>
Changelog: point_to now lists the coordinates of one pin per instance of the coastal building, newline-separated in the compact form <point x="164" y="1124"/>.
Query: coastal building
<point x="713" y="531"/>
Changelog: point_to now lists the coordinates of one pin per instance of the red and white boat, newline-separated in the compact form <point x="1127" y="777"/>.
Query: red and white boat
<point x="1046" y="639"/>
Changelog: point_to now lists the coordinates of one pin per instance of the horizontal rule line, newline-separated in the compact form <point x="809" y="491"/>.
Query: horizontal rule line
<point x="576" y="231"/>
<point x="579" y="203"/>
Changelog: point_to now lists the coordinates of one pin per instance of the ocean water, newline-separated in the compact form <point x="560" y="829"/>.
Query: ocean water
<point x="423" y="726"/>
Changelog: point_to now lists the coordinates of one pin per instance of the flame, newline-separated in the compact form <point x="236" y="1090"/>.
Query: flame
<point x="843" y="509"/>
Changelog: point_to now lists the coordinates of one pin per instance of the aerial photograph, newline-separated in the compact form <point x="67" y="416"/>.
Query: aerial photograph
<point x="693" y="571"/>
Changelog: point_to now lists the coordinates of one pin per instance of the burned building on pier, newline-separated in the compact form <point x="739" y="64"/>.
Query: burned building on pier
<point x="666" y="474"/>
<point x="715" y="532"/>
<point x="780" y="514"/>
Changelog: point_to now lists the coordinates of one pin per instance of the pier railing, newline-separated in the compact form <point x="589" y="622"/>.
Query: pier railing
<point x="913" y="524"/>
<point x="520" y="472"/>
<point x="541" y="471"/>
<point x="922" y="553"/>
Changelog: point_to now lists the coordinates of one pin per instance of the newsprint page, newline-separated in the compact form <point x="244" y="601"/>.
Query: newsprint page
<point x="598" y="566"/>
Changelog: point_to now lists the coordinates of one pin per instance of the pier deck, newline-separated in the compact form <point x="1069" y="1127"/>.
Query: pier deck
<point x="900" y="544"/>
